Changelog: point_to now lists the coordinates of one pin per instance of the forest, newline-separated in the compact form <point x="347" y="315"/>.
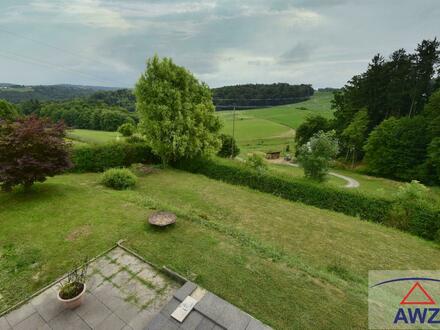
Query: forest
<point x="388" y="117"/>
<point x="259" y="95"/>
<point x="20" y="93"/>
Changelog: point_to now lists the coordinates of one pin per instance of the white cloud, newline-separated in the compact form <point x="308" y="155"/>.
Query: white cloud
<point x="85" y="12"/>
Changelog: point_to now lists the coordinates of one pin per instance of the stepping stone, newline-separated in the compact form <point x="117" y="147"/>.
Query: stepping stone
<point x="162" y="219"/>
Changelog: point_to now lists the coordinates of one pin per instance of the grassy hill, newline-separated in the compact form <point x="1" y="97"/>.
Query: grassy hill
<point x="271" y="129"/>
<point x="291" y="265"/>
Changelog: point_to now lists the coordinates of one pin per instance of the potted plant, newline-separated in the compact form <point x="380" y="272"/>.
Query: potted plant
<point x="72" y="289"/>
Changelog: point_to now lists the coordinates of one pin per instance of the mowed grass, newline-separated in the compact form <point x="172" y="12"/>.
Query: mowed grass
<point x="272" y="129"/>
<point x="288" y="264"/>
<point x="93" y="137"/>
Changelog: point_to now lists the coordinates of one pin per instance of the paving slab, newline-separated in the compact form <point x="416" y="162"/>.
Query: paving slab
<point x="20" y="314"/>
<point x="93" y="311"/>
<point x="209" y="313"/>
<point x="4" y="325"/>
<point x="115" y="298"/>
<point x="34" y="321"/>
<point x="68" y="320"/>
<point x="47" y="305"/>
<point x="124" y="292"/>
<point x="111" y="322"/>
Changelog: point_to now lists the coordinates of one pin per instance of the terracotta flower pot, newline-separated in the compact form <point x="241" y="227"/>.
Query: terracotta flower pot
<point x="75" y="301"/>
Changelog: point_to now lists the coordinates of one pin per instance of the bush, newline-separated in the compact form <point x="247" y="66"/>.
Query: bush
<point x="96" y="158"/>
<point x="228" y="147"/>
<point x="411" y="210"/>
<point x="397" y="148"/>
<point x="315" y="155"/>
<point x="310" y="127"/>
<point x="136" y="139"/>
<point x="256" y="162"/>
<point x="127" y="129"/>
<point x="424" y="222"/>
<point x="8" y="111"/>
<point x="118" y="178"/>
<point x="434" y="156"/>
<point x="31" y="149"/>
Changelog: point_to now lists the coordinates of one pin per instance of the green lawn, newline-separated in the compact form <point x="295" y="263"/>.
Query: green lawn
<point x="91" y="136"/>
<point x="291" y="265"/>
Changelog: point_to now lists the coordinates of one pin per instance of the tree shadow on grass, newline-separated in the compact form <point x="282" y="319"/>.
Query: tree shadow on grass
<point x="37" y="193"/>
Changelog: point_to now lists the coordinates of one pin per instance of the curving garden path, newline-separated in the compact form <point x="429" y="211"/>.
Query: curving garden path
<point x="351" y="183"/>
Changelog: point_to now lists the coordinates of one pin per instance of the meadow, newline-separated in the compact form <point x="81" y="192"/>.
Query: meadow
<point x="78" y="136"/>
<point x="272" y="129"/>
<point x="289" y="264"/>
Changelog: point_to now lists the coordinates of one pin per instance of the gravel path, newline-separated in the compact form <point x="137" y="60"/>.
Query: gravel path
<point x="351" y="183"/>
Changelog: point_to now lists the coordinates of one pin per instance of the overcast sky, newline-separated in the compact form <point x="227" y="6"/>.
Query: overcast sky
<point x="104" y="42"/>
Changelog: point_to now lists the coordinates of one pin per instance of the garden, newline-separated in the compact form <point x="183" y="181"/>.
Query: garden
<point x="288" y="249"/>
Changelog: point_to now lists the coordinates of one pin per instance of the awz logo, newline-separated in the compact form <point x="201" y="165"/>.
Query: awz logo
<point x="417" y="307"/>
<point x="417" y="315"/>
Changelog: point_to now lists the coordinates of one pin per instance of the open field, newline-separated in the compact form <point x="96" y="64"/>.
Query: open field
<point x="291" y="265"/>
<point x="271" y="129"/>
<point x="263" y="129"/>
<point x="91" y="136"/>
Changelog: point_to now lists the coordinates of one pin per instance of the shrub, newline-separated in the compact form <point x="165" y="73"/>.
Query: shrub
<point x="228" y="147"/>
<point x="410" y="210"/>
<point x="31" y="149"/>
<point x="96" y="158"/>
<point x="256" y="162"/>
<point x="397" y="148"/>
<point x="73" y="285"/>
<point x="118" y="178"/>
<point x="315" y="155"/>
<point x="136" y="139"/>
<point x="127" y="129"/>
<point x="423" y="221"/>
<point x="310" y="127"/>
<point x="8" y="111"/>
<point x="434" y="156"/>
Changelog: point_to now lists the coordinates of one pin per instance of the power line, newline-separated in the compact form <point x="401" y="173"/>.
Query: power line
<point x="28" y="59"/>
<point x="268" y="99"/>
<point x="69" y="52"/>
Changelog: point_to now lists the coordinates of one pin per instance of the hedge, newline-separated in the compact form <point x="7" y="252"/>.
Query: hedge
<point x="424" y="222"/>
<point x="97" y="158"/>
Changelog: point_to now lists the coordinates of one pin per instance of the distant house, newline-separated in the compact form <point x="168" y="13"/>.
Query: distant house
<point x="273" y="155"/>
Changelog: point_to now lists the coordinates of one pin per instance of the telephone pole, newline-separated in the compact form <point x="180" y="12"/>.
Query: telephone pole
<point x="233" y="133"/>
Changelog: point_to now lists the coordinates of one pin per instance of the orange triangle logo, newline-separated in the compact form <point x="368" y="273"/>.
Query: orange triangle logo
<point x="406" y="300"/>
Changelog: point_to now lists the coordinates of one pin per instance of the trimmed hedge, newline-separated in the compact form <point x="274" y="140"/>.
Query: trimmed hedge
<point x="97" y="158"/>
<point x="423" y="222"/>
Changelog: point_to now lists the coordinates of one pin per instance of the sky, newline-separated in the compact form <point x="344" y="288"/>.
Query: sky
<point x="107" y="42"/>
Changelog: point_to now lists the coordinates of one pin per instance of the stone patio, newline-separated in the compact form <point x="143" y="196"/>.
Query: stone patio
<point x="124" y="292"/>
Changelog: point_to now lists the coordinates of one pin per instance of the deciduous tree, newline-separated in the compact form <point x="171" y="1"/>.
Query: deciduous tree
<point x="31" y="149"/>
<point x="176" y="111"/>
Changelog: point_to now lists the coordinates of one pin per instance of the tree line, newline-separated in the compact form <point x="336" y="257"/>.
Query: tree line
<point x="389" y="116"/>
<point x="20" y="93"/>
<point x="77" y="113"/>
<point x="260" y="95"/>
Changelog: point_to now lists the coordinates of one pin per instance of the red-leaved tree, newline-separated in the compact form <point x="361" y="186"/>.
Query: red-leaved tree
<point x="31" y="149"/>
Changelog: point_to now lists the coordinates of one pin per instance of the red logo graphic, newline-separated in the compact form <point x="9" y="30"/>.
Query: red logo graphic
<point x="428" y="301"/>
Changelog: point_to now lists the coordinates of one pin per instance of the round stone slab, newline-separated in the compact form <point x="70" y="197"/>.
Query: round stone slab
<point x="162" y="219"/>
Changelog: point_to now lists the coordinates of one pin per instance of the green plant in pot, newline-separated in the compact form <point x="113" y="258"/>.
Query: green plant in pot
<point x="72" y="289"/>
